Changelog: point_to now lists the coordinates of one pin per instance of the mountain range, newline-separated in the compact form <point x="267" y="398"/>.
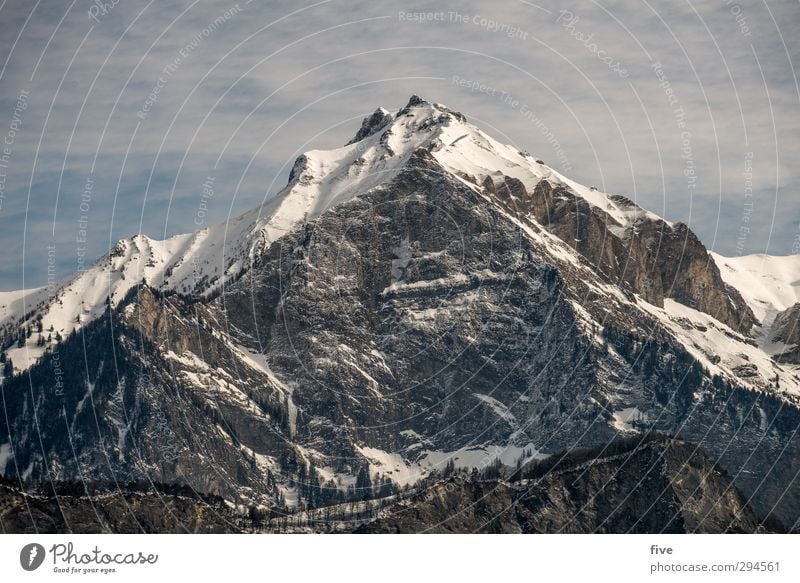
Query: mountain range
<point x="416" y="306"/>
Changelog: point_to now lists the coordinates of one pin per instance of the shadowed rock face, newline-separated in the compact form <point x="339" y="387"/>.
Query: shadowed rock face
<point x="661" y="486"/>
<point x="786" y="329"/>
<point x="374" y="123"/>
<point x="653" y="258"/>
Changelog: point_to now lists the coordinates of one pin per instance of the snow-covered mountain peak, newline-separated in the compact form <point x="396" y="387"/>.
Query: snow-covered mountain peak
<point x="473" y="156"/>
<point x="385" y="142"/>
<point x="320" y="179"/>
<point x="201" y="263"/>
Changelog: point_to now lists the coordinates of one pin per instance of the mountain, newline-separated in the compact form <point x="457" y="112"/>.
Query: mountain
<point x="422" y="295"/>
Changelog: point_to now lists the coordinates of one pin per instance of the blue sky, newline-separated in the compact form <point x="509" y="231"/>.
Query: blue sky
<point x="689" y="108"/>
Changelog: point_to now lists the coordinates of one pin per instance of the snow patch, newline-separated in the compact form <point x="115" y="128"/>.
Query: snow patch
<point x="5" y="456"/>
<point x="624" y="418"/>
<point x="405" y="472"/>
<point x="498" y="408"/>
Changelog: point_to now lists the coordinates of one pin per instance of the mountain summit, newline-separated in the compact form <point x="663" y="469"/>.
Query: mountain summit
<point x="423" y="296"/>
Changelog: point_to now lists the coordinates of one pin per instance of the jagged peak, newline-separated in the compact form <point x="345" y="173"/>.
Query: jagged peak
<point x="382" y="144"/>
<point x="300" y="164"/>
<point x="381" y="119"/>
<point x="415" y="100"/>
<point x="371" y="124"/>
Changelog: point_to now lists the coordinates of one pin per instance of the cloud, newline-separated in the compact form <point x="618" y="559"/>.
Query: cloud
<point x="227" y="81"/>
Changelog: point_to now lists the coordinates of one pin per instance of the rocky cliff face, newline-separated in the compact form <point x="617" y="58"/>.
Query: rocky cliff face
<point x="651" y="257"/>
<point x="786" y="330"/>
<point x="420" y="296"/>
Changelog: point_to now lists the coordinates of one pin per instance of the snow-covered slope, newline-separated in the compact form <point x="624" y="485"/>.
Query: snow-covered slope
<point x="769" y="284"/>
<point x="466" y="151"/>
<point x="723" y="351"/>
<point x="15" y="303"/>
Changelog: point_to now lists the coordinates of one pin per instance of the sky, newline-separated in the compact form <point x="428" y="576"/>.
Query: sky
<point x="114" y="114"/>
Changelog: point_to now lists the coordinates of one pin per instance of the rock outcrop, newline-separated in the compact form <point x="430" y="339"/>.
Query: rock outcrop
<point x="786" y="330"/>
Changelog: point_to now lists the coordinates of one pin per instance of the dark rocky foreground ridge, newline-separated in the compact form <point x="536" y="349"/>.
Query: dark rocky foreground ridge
<point x="430" y="316"/>
<point x="129" y="510"/>
<point x="635" y="484"/>
<point x="659" y="485"/>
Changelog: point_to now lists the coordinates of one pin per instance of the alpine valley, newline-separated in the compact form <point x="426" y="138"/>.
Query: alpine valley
<point x="425" y="330"/>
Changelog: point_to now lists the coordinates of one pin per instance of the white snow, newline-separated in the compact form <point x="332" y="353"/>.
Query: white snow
<point x="391" y="464"/>
<point x="404" y="472"/>
<point x="498" y="408"/>
<point x="769" y="284"/>
<point x="5" y="456"/>
<point x="721" y="349"/>
<point x="624" y="418"/>
<point x="14" y="303"/>
<point x="458" y="278"/>
<point x="479" y="457"/>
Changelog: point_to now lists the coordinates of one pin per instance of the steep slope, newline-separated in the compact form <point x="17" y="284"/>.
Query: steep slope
<point x="771" y="286"/>
<point x="421" y="295"/>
